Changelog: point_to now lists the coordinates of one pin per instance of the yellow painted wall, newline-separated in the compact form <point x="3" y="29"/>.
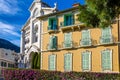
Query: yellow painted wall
<point x="76" y="36"/>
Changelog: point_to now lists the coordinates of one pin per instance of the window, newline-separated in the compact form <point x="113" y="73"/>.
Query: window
<point x="86" y="61"/>
<point x="106" y="59"/>
<point x="106" y="35"/>
<point x="52" y="24"/>
<point x="36" y="33"/>
<point x="3" y="64"/>
<point x="52" y="62"/>
<point x="86" y="38"/>
<point x="53" y="42"/>
<point x="68" y="40"/>
<point x="68" y="19"/>
<point x="68" y="62"/>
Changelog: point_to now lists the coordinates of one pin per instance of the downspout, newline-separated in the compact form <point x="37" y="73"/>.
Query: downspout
<point x="118" y="42"/>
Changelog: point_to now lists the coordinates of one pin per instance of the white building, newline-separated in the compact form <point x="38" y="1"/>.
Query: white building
<point x="32" y="30"/>
<point x="7" y="58"/>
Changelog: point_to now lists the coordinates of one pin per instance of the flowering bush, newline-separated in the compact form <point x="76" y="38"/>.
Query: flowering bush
<point x="22" y="74"/>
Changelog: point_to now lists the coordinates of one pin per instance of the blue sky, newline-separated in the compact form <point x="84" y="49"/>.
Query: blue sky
<point x="14" y="13"/>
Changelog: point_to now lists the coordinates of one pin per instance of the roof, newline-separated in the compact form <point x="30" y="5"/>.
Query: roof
<point x="59" y="12"/>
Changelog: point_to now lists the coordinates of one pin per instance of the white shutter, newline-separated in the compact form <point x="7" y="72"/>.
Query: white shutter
<point x="52" y="62"/>
<point x="107" y="60"/>
<point x="86" y="61"/>
<point x="68" y="62"/>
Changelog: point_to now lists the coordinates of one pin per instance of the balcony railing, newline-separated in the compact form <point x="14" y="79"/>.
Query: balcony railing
<point x="86" y="42"/>
<point x="68" y="44"/>
<point x="106" y="39"/>
<point x="51" y="47"/>
<point x="67" y="24"/>
<point x="52" y="28"/>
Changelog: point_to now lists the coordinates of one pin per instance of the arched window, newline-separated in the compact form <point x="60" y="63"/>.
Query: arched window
<point x="36" y="33"/>
<point x="35" y="12"/>
<point x="36" y="29"/>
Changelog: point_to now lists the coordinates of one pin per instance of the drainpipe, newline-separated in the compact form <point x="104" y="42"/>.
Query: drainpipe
<point x="119" y="41"/>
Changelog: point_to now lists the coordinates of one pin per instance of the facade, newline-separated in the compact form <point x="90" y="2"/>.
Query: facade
<point x="68" y="45"/>
<point x="31" y="31"/>
<point x="7" y="58"/>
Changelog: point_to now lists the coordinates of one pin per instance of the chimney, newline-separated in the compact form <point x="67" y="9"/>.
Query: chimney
<point x="76" y="5"/>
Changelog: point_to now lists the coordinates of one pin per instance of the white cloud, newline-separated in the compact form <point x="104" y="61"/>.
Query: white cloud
<point x="9" y="7"/>
<point x="8" y="29"/>
<point x="16" y="42"/>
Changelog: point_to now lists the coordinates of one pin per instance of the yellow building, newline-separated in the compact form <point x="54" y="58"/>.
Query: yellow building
<point x="67" y="45"/>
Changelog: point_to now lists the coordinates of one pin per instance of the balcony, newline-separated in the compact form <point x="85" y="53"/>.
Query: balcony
<point x="86" y="42"/>
<point x="106" y="39"/>
<point x="51" y="47"/>
<point x="72" y="26"/>
<point x="52" y="28"/>
<point x="68" y="45"/>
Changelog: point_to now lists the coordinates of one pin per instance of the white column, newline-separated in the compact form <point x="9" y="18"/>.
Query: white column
<point x="22" y="47"/>
<point x="31" y="32"/>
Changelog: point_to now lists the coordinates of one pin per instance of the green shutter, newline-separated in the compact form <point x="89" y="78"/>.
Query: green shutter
<point x="54" y="25"/>
<point x="64" y="20"/>
<point x="106" y="60"/>
<point x="68" y="62"/>
<point x="49" y="24"/>
<point x="72" y="19"/>
<point x="52" y="61"/>
<point x="86" y="58"/>
<point x="68" y="39"/>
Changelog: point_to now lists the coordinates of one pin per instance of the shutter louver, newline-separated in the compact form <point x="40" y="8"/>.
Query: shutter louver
<point x="68" y="40"/>
<point x="68" y="62"/>
<point x="106" y="60"/>
<point x="86" y="58"/>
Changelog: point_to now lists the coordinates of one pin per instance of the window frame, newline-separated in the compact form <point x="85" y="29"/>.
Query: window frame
<point x="111" y="58"/>
<point x="55" y="62"/>
<point x="52" y="26"/>
<point x="90" y="60"/>
<point x="72" y="19"/>
<point x="71" y="62"/>
<point x="66" y="41"/>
